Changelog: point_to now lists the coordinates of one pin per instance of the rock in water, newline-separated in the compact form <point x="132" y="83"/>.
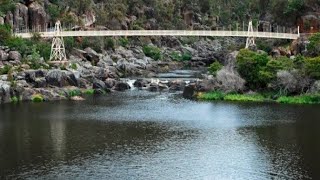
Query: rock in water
<point x="189" y="92"/>
<point x="98" y="84"/>
<point x="121" y="86"/>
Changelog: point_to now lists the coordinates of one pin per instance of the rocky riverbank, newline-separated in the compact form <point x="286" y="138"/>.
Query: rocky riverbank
<point x="88" y="71"/>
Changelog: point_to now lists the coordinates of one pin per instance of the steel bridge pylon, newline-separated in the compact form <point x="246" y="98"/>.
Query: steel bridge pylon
<point x="250" y="39"/>
<point x="58" y="51"/>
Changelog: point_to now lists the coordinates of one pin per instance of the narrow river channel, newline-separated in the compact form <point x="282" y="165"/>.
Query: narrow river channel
<point x="142" y="135"/>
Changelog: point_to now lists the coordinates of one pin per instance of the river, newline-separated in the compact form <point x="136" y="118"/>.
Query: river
<point x="141" y="135"/>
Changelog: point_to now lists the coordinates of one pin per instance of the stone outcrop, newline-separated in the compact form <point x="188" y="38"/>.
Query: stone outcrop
<point x="37" y="16"/>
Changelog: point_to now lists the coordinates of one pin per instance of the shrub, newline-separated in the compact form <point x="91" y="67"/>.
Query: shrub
<point x="15" y="99"/>
<point x="124" y="42"/>
<point x="5" y="33"/>
<point x="230" y="81"/>
<point x="37" y="98"/>
<point x="109" y="43"/>
<point x="314" y="45"/>
<point x="5" y="69"/>
<point x="186" y="56"/>
<point x="6" y="5"/>
<point x="34" y="59"/>
<point x="214" y="68"/>
<point x="251" y="66"/>
<point x="153" y="52"/>
<point x="312" y="67"/>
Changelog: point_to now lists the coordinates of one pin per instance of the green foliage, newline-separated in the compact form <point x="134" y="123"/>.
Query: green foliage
<point x="6" y="5"/>
<point x="314" y="45"/>
<point x="109" y="43"/>
<point x="212" y="96"/>
<point x="5" y="69"/>
<point x="251" y="66"/>
<point x="54" y="12"/>
<point x="263" y="45"/>
<point x="74" y="66"/>
<point x="177" y="56"/>
<point x="34" y="59"/>
<point x="15" y="99"/>
<point x="89" y="92"/>
<point x="302" y="99"/>
<point x="214" y="68"/>
<point x="75" y="92"/>
<point x="69" y="44"/>
<point x="312" y="67"/>
<point x="294" y="7"/>
<point x="186" y="56"/>
<point x="245" y="98"/>
<point x="217" y="95"/>
<point x="153" y="52"/>
<point x="5" y="33"/>
<point x="37" y="98"/>
<point x="124" y="42"/>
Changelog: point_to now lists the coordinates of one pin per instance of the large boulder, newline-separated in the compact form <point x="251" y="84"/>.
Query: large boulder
<point x="141" y="83"/>
<point x="110" y="83"/>
<point x="101" y="73"/>
<point x="14" y="56"/>
<point x="32" y="75"/>
<point x="189" y="91"/>
<point x="177" y="85"/>
<point x="5" y="92"/>
<point x="20" y="16"/>
<point x="98" y="84"/>
<point x="92" y="55"/>
<point x="121" y="86"/>
<point x="60" y="78"/>
<point x="4" y="56"/>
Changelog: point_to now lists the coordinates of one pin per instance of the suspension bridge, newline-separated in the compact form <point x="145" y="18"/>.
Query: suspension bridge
<point x="58" y="49"/>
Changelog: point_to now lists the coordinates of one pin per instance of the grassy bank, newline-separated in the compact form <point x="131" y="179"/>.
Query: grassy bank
<point x="301" y="99"/>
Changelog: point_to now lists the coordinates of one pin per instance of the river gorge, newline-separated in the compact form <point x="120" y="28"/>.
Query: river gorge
<point x="144" y="135"/>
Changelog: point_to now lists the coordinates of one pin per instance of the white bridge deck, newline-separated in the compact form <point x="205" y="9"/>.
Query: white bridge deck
<point x="125" y="33"/>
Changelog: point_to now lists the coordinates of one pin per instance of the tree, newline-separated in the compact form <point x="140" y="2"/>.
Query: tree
<point x="251" y="66"/>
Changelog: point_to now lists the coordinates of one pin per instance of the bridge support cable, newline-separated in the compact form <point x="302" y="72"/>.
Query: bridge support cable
<point x="58" y="51"/>
<point x="250" y="36"/>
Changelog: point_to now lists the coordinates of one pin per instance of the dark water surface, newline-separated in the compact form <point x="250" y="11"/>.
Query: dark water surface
<point x="137" y="135"/>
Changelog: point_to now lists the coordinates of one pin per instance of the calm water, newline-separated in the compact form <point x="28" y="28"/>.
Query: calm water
<point x="137" y="135"/>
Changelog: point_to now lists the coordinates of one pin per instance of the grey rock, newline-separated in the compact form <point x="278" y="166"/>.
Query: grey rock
<point x="14" y="55"/>
<point x="121" y="86"/>
<point x="60" y="78"/>
<point x="189" y="92"/>
<point x="3" y="55"/>
<point x="98" y="84"/>
<point x="5" y="92"/>
<point x="110" y="83"/>
<point x="37" y="16"/>
<point x="40" y="83"/>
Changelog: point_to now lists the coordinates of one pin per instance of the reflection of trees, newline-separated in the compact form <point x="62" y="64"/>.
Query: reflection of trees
<point x="46" y="134"/>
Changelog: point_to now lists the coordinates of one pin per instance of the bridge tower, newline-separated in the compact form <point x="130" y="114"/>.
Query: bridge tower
<point x="58" y="51"/>
<point x="250" y="39"/>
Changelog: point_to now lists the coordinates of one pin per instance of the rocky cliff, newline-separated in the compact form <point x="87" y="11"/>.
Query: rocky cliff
<point x="158" y="14"/>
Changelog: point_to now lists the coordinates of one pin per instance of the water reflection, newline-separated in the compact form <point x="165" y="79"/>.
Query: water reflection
<point x="138" y="135"/>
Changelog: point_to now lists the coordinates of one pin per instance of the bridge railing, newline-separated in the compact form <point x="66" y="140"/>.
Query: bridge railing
<point x="277" y="35"/>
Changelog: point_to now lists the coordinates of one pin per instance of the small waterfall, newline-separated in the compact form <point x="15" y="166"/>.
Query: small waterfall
<point x="131" y="82"/>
